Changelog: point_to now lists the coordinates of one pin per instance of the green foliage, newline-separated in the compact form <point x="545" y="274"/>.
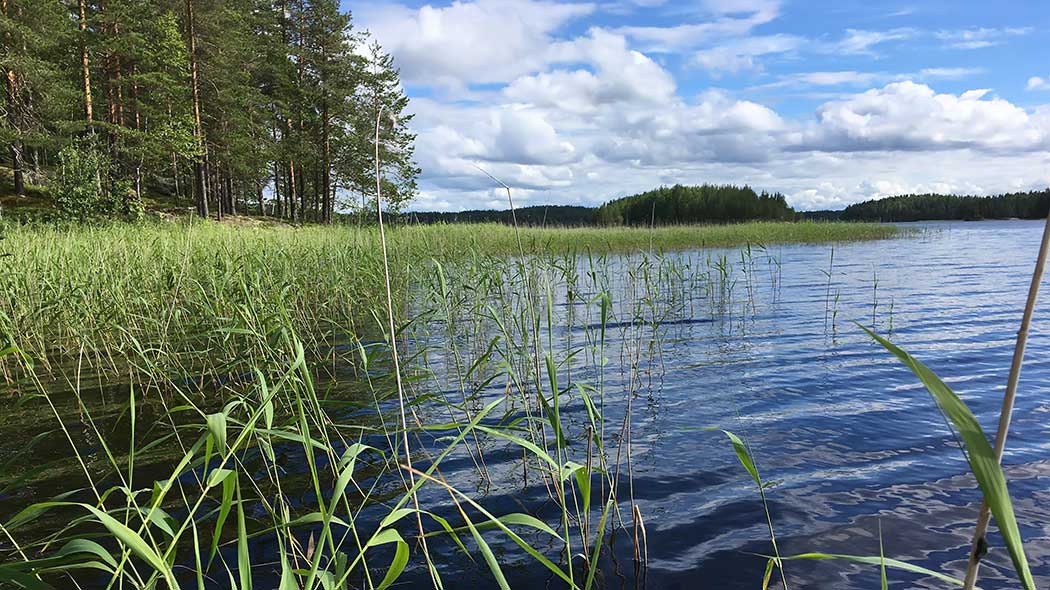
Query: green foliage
<point x="83" y="189"/>
<point x="288" y="91"/>
<point x="126" y="200"/>
<point x="78" y="190"/>
<point x="694" y="204"/>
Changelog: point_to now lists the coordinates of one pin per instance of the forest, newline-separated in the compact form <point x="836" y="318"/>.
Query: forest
<point x="694" y="204"/>
<point x="1029" y="205"/>
<point x="261" y="106"/>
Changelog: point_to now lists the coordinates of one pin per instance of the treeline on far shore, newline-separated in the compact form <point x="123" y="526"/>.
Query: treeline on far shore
<point x="680" y="205"/>
<point x="536" y="216"/>
<point x="673" y="205"/>
<point x="928" y="207"/>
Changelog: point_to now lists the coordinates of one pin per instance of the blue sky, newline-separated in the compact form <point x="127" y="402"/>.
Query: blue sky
<point x="827" y="102"/>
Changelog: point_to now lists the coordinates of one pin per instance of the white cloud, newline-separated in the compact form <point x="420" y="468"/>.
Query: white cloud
<point x="727" y="18"/>
<point x="769" y="8"/>
<point x="616" y="75"/>
<point x="740" y="55"/>
<point x="860" y="79"/>
<point x="903" y="137"/>
<point x="861" y="42"/>
<point x="525" y="137"/>
<point x="1038" y="83"/>
<point x="947" y="73"/>
<point x="981" y="37"/>
<point x="911" y="116"/>
<point x="468" y="42"/>
<point x="839" y="78"/>
<point x="569" y="117"/>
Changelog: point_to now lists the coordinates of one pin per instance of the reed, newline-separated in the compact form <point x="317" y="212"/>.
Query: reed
<point x="223" y="389"/>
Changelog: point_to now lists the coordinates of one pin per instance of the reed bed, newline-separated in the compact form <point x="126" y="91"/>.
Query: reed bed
<point x="219" y="408"/>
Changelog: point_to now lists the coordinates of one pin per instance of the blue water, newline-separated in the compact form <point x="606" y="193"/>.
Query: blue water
<point x="852" y="440"/>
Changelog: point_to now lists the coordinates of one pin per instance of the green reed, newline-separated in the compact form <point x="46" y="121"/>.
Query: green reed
<point x="225" y="351"/>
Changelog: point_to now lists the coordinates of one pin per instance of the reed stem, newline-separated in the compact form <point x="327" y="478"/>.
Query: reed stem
<point x="979" y="544"/>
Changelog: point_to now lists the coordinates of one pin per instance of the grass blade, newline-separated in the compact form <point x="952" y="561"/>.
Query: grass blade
<point x="980" y="455"/>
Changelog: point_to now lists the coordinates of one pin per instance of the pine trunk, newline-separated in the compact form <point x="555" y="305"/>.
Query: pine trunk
<point x="213" y="188"/>
<point x="85" y="64"/>
<point x="231" y="196"/>
<point x="198" y="164"/>
<point x="12" y="114"/>
<point x="175" y="177"/>
<point x="291" y="190"/>
<point x="277" y="204"/>
<point x="326" y="172"/>
<point x="16" y="146"/>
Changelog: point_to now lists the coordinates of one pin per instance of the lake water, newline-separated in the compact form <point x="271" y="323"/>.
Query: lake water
<point x="844" y="429"/>
<point x="765" y="345"/>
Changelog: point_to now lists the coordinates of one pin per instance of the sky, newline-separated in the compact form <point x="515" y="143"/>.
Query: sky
<point x="827" y="102"/>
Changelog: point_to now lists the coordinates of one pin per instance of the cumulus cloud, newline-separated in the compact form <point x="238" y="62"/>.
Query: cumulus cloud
<point x="468" y="42"/>
<point x="565" y="116"/>
<point x="614" y="75"/>
<point x="526" y="138"/>
<point x="855" y="144"/>
<point x="911" y="116"/>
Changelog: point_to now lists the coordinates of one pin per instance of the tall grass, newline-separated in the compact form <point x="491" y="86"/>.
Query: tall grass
<point x="221" y="390"/>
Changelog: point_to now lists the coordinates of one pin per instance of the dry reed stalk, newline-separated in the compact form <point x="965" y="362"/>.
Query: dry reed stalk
<point x="979" y="544"/>
<point x="394" y="356"/>
<point x="643" y="554"/>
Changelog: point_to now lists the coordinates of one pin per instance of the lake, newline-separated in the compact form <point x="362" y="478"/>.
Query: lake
<point x="763" y="342"/>
<point x="849" y="436"/>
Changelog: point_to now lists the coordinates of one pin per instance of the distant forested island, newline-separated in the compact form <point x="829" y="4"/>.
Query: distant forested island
<point x="929" y="207"/>
<point x="677" y="204"/>
<point x="694" y="204"/>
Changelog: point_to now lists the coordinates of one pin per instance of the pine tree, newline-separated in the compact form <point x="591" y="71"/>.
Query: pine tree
<point x="382" y="101"/>
<point x="35" y="36"/>
<point x="238" y="95"/>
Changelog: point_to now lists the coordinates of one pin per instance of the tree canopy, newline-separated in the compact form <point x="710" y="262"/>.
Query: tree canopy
<point x="706" y="203"/>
